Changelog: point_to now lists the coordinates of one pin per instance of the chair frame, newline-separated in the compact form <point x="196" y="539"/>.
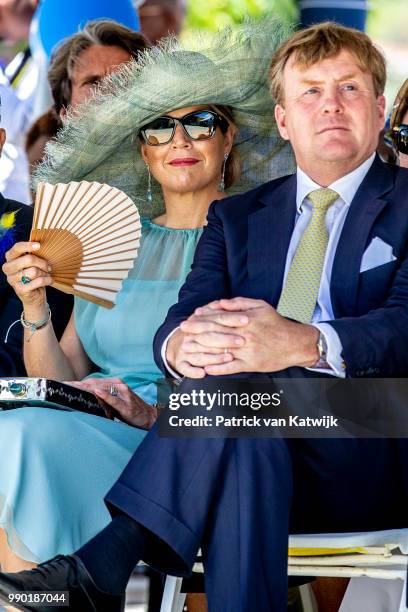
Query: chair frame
<point x="391" y="564"/>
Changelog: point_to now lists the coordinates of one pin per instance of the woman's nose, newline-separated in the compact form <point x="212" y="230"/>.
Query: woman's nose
<point x="180" y="137"/>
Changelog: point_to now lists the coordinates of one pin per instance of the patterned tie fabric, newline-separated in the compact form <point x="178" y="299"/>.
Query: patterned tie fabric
<point x="301" y="289"/>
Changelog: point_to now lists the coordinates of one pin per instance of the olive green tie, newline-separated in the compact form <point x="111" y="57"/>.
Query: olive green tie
<point x="301" y="289"/>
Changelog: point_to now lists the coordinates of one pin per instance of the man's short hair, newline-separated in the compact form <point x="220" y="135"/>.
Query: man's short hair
<point x="321" y="41"/>
<point x="98" y="32"/>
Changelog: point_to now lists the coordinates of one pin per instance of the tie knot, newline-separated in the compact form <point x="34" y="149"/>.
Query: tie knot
<point x="323" y="198"/>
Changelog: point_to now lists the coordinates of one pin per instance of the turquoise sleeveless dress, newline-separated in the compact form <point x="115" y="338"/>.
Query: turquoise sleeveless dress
<point x="57" y="466"/>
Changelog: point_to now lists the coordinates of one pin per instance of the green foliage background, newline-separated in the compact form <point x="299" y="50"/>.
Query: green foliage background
<point x="387" y="19"/>
<point x="215" y="14"/>
<point x="386" y="24"/>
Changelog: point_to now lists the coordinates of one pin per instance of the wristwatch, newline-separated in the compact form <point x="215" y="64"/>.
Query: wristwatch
<point x="322" y="348"/>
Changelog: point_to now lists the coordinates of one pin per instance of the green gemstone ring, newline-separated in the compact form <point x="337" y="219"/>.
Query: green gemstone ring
<point x="25" y="280"/>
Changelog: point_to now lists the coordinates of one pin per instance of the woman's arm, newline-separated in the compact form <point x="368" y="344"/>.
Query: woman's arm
<point x="43" y="354"/>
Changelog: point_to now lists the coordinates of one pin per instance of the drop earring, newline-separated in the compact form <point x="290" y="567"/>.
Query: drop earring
<point x="222" y="181"/>
<point x="149" y="195"/>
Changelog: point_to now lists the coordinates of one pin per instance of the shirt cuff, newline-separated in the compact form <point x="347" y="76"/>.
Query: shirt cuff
<point x="172" y="372"/>
<point x="334" y="351"/>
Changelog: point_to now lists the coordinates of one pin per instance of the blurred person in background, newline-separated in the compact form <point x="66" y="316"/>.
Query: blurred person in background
<point x="42" y="25"/>
<point x="42" y="130"/>
<point x="14" y="175"/>
<point x="77" y="66"/>
<point x="399" y="125"/>
<point x="81" y="61"/>
<point x="21" y="72"/>
<point x="15" y="19"/>
<point x="159" y="18"/>
<point x="15" y="224"/>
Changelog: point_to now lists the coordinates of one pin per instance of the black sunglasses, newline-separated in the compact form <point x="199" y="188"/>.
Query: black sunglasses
<point x="399" y="136"/>
<point x="199" y="125"/>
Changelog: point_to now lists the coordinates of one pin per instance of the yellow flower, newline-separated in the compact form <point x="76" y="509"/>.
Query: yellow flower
<point x="8" y="220"/>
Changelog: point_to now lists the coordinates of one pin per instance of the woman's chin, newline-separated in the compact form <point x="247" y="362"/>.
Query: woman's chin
<point x="184" y="187"/>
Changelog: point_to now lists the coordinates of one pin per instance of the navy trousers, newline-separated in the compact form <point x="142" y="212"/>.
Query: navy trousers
<point x="238" y="499"/>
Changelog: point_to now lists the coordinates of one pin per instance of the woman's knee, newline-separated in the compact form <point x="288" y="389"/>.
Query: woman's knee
<point x="23" y="424"/>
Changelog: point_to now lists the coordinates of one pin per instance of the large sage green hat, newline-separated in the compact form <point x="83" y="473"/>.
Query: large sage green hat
<point x="99" y="141"/>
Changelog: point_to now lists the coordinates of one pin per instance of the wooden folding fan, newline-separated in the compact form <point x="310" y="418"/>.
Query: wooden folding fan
<point x="89" y="233"/>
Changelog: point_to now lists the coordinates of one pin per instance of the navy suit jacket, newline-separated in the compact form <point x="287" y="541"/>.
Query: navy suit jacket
<point x="243" y="250"/>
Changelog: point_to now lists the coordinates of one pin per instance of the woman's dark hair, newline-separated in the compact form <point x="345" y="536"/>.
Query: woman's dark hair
<point x="233" y="166"/>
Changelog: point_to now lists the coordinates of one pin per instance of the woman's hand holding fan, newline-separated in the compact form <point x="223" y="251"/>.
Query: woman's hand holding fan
<point x="22" y="262"/>
<point x="89" y="234"/>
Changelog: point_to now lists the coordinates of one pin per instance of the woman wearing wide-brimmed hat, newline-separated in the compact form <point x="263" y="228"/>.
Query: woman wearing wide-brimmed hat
<point x="169" y="131"/>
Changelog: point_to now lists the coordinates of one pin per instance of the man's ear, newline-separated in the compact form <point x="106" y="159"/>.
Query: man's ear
<point x="280" y="118"/>
<point x="2" y="138"/>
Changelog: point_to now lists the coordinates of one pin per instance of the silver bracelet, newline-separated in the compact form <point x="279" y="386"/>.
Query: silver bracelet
<point x="33" y="327"/>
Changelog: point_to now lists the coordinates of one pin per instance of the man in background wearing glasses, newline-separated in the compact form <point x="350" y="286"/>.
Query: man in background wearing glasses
<point x="399" y="125"/>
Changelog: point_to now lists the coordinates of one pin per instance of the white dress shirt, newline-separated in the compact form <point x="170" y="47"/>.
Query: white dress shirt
<point x="14" y="171"/>
<point x="336" y="215"/>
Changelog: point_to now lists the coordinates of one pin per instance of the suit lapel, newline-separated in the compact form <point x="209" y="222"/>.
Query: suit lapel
<point x="269" y="233"/>
<point x="366" y="206"/>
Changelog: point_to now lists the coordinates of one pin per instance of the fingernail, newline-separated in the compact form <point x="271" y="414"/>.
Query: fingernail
<point x="238" y="341"/>
<point x="35" y="245"/>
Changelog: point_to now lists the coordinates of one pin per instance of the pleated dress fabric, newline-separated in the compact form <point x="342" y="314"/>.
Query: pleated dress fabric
<point x="56" y="466"/>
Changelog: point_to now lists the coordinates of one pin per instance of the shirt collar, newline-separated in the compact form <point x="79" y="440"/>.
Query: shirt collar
<point x="346" y="186"/>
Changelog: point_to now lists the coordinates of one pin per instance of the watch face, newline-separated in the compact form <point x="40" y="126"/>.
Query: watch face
<point x="322" y="346"/>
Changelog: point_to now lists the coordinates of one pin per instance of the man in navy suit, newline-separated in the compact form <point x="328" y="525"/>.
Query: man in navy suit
<point x="305" y="276"/>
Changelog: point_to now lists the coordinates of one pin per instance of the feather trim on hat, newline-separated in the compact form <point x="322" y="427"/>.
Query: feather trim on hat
<point x="99" y="140"/>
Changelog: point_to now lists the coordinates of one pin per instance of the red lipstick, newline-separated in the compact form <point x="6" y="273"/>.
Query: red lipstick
<point x="184" y="161"/>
